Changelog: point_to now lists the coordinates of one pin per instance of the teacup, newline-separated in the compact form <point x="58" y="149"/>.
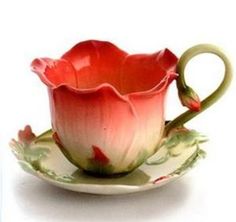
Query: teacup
<point x="107" y="106"/>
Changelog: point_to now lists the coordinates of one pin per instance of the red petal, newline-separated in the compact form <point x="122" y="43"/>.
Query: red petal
<point x="96" y="62"/>
<point x="144" y="72"/>
<point x="26" y="135"/>
<point x="99" y="156"/>
<point x="54" y="72"/>
<point x="90" y="64"/>
<point x="195" y="106"/>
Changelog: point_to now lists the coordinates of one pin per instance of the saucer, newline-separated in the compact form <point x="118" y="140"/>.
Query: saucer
<point x="41" y="157"/>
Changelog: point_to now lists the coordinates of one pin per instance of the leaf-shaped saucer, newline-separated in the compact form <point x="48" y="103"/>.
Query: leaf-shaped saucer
<point x="41" y="157"/>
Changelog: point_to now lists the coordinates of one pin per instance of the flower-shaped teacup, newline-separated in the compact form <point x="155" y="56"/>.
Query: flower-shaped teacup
<point x="107" y="106"/>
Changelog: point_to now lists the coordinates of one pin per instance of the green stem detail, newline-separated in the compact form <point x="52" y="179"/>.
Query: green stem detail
<point x="181" y="84"/>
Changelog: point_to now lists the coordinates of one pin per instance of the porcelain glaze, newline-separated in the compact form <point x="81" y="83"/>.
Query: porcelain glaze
<point x="107" y="106"/>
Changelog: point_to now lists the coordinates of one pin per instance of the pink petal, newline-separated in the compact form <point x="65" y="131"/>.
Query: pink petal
<point x="100" y="118"/>
<point x="150" y="112"/>
<point x="149" y="108"/>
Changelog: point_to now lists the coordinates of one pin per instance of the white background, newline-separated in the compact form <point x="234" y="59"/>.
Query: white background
<point x="30" y="29"/>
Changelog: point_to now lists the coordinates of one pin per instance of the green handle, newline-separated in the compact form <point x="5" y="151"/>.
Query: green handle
<point x="188" y="97"/>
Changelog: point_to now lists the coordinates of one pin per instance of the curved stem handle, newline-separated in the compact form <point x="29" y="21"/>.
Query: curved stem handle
<point x="188" y="97"/>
